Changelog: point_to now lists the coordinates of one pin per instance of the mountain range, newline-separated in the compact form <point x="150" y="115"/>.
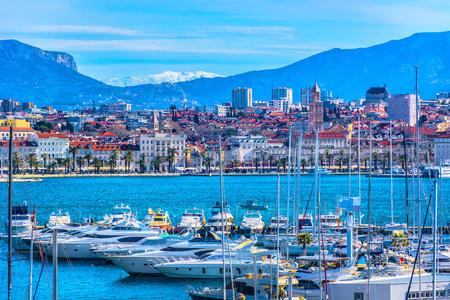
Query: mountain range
<point x="51" y="78"/>
<point x="164" y="77"/>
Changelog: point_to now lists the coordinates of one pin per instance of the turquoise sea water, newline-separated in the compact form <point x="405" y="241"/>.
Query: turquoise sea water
<point x="95" y="197"/>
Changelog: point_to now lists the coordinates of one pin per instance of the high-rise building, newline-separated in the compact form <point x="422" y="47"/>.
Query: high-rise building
<point x="305" y="96"/>
<point x="402" y="107"/>
<point x="282" y="93"/>
<point x="8" y="105"/>
<point x="377" y="95"/>
<point x="241" y="97"/>
<point x="280" y="104"/>
<point x="315" y="111"/>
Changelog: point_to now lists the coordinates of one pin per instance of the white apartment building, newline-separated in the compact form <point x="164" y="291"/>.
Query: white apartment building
<point x="281" y="105"/>
<point x="402" y="107"/>
<point x="441" y="149"/>
<point x="219" y="110"/>
<point x="22" y="148"/>
<point x="242" y="97"/>
<point x="282" y="93"/>
<point x="305" y="96"/>
<point x="115" y="107"/>
<point x="55" y="145"/>
<point x="158" y="144"/>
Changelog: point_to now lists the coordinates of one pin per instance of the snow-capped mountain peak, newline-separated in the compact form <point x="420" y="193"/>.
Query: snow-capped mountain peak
<point x="167" y="76"/>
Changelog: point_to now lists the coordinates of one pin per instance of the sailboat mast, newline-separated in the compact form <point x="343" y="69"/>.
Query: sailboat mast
<point x="278" y="232"/>
<point x="369" y="214"/>
<point x="299" y="165"/>
<point x="406" y="179"/>
<point x="392" y="182"/>
<point x="349" y="164"/>
<point x="435" y="236"/>
<point x="419" y="229"/>
<point x="359" y="161"/>
<point x="316" y="172"/>
<point x="288" y="191"/>
<point x="10" y="175"/>
<point x="223" y="225"/>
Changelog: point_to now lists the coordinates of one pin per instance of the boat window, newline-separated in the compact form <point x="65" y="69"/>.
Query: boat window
<point x="359" y="296"/>
<point x="174" y="249"/>
<point x="19" y="217"/>
<point x="252" y="216"/>
<point x="125" y="228"/>
<point x="130" y="239"/>
<point x="159" y="219"/>
<point x="306" y="285"/>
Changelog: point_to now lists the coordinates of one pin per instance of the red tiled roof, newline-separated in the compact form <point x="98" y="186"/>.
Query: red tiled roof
<point x="49" y="135"/>
<point x="6" y="128"/>
<point x="107" y="134"/>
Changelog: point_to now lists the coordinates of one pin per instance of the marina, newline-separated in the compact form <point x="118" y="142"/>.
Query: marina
<point x="94" y="278"/>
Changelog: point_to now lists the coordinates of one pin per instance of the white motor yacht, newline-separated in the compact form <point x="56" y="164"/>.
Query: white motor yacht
<point x="218" y="217"/>
<point x="237" y="263"/>
<point x="57" y="219"/>
<point x="191" y="219"/>
<point x="22" y="221"/>
<point x="80" y="247"/>
<point x="252" y="223"/>
<point x="143" y="263"/>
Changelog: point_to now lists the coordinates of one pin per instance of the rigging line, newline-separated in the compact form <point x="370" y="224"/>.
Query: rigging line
<point x="418" y="246"/>
<point x="307" y="205"/>
<point x="39" y="279"/>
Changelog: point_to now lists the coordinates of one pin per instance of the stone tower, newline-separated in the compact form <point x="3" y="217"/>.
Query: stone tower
<point x="154" y="124"/>
<point x="315" y="113"/>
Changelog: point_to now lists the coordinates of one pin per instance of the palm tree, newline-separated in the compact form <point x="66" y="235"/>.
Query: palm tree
<point x="67" y="161"/>
<point x="74" y="151"/>
<point x="263" y="158"/>
<point x="17" y="163"/>
<point x="88" y="157"/>
<point x="328" y="155"/>
<point x="376" y="158"/>
<point x="203" y="155"/>
<point x="52" y="166"/>
<point x="311" y="161"/>
<point x="156" y="163"/>
<point x="321" y="160"/>
<point x="311" y="149"/>
<point x="208" y="161"/>
<point x="236" y="163"/>
<point x="341" y="159"/>
<point x="271" y="159"/>
<point x="171" y="158"/>
<point x="304" y="239"/>
<point x="60" y="162"/>
<point x="80" y="162"/>
<point x="399" y="239"/>
<point x="128" y="158"/>
<point x="45" y="157"/>
<point x="303" y="163"/>
<point x="141" y="162"/>
<point x="31" y="159"/>
<point x="36" y="164"/>
<point x="283" y="163"/>
<point x="97" y="163"/>
<point x="112" y="160"/>
<point x="256" y="160"/>
<point x="386" y="158"/>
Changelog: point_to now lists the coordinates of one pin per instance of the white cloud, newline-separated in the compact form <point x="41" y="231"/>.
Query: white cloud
<point x="272" y="31"/>
<point x="84" y="29"/>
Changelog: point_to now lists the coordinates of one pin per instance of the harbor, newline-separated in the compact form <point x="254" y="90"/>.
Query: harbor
<point x="84" y="278"/>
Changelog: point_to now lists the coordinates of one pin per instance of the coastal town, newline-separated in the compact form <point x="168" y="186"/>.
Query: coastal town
<point x="254" y="135"/>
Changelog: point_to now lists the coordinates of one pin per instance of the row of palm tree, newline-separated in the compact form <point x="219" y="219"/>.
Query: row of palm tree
<point x="158" y="161"/>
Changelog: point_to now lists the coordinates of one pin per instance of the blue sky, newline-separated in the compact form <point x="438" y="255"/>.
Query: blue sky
<point x="132" y="38"/>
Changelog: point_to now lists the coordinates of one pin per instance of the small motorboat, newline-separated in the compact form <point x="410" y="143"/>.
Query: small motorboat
<point x="161" y="220"/>
<point x="252" y="205"/>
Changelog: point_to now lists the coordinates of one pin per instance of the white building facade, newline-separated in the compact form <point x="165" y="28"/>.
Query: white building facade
<point x="442" y="149"/>
<point x="402" y="107"/>
<point x="158" y="144"/>
<point x="53" y="144"/>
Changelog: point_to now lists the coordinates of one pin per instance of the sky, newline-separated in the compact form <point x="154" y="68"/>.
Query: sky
<point x="115" y="39"/>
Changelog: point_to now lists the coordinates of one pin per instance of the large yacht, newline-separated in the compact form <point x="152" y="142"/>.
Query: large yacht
<point x="191" y="219"/>
<point x="251" y="223"/>
<point x="217" y="218"/>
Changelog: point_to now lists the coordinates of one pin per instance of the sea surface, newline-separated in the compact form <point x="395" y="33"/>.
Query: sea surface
<point x="88" y="197"/>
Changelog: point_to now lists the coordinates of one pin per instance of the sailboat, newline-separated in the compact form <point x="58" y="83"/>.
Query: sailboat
<point x="392" y="225"/>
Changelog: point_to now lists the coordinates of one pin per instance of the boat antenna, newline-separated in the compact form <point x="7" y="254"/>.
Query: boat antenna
<point x="10" y="185"/>
<point x="369" y="211"/>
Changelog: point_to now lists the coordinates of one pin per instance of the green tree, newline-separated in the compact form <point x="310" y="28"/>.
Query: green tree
<point x="45" y="157"/>
<point x="67" y="162"/>
<point x="208" y="162"/>
<point x="128" y="158"/>
<point x="88" y="157"/>
<point x="263" y="159"/>
<point x="304" y="239"/>
<point x="271" y="159"/>
<point x="329" y="156"/>
<point x="43" y="126"/>
<point x="51" y="166"/>
<point x="341" y="159"/>
<point x="196" y="119"/>
<point x="97" y="163"/>
<point x="156" y="163"/>
<point x="17" y="163"/>
<point x="376" y="158"/>
<point x="74" y="151"/>
<point x="141" y="162"/>
<point x="256" y="160"/>
<point x="80" y="162"/>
